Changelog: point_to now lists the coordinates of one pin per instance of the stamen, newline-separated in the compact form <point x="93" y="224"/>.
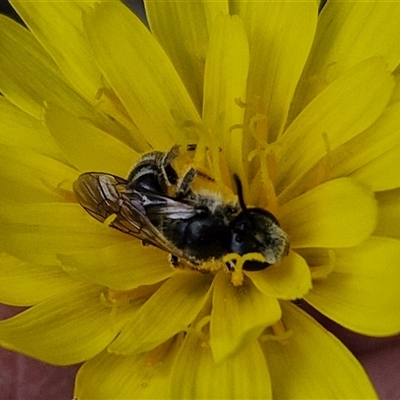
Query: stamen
<point x="110" y="103"/>
<point x="259" y="129"/>
<point x="278" y="328"/>
<point x="266" y="195"/>
<point x="110" y="219"/>
<point x="280" y="334"/>
<point x="218" y="168"/>
<point x="125" y="297"/>
<point x="239" y="102"/>
<point x="320" y="272"/>
<point x="237" y="261"/>
<point x="322" y="171"/>
<point x="198" y="328"/>
<point x="237" y="277"/>
<point x="234" y="151"/>
<point x="63" y="189"/>
<point x="234" y="260"/>
<point x="201" y="324"/>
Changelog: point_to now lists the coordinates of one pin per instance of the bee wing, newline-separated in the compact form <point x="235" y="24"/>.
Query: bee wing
<point x="99" y="194"/>
<point x="158" y="205"/>
<point x="104" y="195"/>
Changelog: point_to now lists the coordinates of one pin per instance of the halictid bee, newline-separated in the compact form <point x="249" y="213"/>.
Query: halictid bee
<point x="190" y="225"/>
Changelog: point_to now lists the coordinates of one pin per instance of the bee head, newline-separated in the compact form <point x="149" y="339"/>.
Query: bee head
<point x="255" y="230"/>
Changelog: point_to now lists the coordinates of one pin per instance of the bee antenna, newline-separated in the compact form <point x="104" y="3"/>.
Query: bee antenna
<point x="239" y="189"/>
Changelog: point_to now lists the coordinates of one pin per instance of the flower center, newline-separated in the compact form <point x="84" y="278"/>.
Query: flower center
<point x="227" y="232"/>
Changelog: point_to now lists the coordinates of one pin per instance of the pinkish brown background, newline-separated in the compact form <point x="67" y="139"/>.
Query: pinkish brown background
<point x="22" y="378"/>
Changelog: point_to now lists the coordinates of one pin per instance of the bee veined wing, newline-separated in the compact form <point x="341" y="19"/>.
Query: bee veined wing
<point x="99" y="194"/>
<point x="159" y="205"/>
<point x="105" y="195"/>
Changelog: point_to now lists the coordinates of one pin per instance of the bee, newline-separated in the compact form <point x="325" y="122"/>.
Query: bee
<point x="157" y="206"/>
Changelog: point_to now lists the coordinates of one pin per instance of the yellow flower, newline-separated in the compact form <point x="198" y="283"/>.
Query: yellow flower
<point x="302" y="107"/>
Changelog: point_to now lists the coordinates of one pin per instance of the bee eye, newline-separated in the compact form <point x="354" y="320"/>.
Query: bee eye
<point x="239" y="238"/>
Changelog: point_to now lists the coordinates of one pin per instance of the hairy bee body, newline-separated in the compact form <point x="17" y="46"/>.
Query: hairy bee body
<point x="156" y="206"/>
<point x="154" y="172"/>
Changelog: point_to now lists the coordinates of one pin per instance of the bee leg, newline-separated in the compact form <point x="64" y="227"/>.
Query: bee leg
<point x="168" y="172"/>
<point x="185" y="183"/>
<point x="170" y="156"/>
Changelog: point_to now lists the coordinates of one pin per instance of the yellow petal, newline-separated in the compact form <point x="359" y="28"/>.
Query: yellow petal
<point x="389" y="213"/>
<point x="58" y="27"/>
<point x="66" y="329"/>
<point x="23" y="82"/>
<point x="343" y="110"/>
<point x="313" y="364"/>
<point x="361" y="293"/>
<point x="238" y="316"/>
<point x="338" y="213"/>
<point x="371" y="156"/>
<point x="75" y="137"/>
<point x="275" y="29"/>
<point x="38" y="233"/>
<point x="183" y="29"/>
<point x="109" y="376"/>
<point x="287" y="280"/>
<point x="349" y="32"/>
<point x="18" y="128"/>
<point x="170" y="310"/>
<point x="30" y="84"/>
<point x="29" y="177"/>
<point x="25" y="284"/>
<point x="196" y="376"/>
<point x="224" y="86"/>
<point x="122" y="266"/>
<point x="141" y="75"/>
<point x="380" y="173"/>
<point x="396" y="92"/>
